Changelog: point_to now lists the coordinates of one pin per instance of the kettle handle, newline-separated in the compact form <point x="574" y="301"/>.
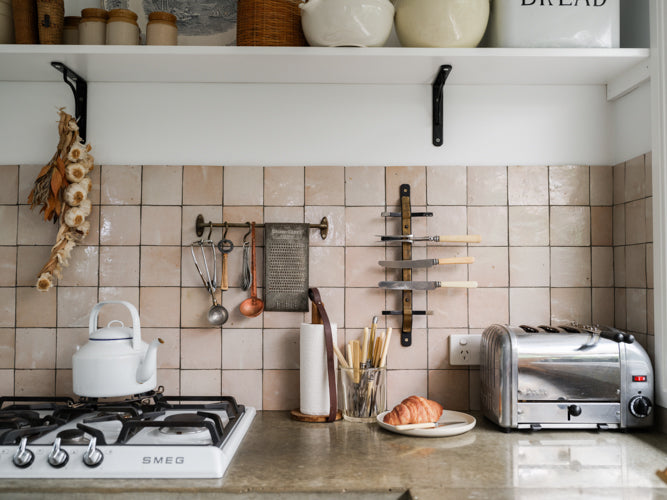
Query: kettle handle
<point x="136" y="327"/>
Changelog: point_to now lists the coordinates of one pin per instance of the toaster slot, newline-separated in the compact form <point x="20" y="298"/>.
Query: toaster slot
<point x="555" y="414"/>
<point x="549" y="329"/>
<point x="570" y="329"/>
<point x="528" y="329"/>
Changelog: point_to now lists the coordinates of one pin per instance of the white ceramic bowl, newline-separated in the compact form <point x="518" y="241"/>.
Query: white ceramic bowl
<point x="338" y="23"/>
<point x="441" y="23"/>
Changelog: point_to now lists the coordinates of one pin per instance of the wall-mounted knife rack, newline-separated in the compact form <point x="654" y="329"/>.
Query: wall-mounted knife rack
<point x="201" y="225"/>
<point x="406" y="254"/>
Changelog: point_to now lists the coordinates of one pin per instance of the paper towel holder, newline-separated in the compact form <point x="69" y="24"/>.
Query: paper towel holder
<point x="316" y="319"/>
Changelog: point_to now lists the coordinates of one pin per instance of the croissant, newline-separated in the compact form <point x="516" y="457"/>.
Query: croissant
<point x="414" y="410"/>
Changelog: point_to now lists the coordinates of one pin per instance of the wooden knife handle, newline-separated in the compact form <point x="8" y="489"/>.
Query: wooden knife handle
<point x="460" y="238"/>
<point x="456" y="260"/>
<point x="458" y="284"/>
<point x="225" y="280"/>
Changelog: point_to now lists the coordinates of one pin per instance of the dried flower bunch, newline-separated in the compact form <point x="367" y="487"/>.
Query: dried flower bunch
<point x="62" y="188"/>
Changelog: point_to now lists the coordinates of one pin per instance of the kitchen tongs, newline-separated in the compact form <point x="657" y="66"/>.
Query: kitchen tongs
<point x="448" y="238"/>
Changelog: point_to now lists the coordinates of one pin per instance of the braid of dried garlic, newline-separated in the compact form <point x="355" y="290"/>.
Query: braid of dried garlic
<point x="62" y="188"/>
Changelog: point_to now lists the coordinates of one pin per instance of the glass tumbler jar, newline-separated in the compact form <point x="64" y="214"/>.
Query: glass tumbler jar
<point x="363" y="393"/>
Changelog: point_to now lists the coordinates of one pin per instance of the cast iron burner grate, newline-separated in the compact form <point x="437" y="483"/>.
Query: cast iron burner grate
<point x="135" y="414"/>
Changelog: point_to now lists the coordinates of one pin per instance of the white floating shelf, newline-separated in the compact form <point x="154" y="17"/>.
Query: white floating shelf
<point x="345" y="65"/>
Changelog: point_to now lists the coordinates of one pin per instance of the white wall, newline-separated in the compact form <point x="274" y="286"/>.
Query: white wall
<point x="631" y="130"/>
<point x="250" y="124"/>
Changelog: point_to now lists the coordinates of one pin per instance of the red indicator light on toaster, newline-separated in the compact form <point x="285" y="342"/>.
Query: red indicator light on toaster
<point x="639" y="378"/>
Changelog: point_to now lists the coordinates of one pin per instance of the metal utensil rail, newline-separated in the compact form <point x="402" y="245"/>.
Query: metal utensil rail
<point x="201" y="225"/>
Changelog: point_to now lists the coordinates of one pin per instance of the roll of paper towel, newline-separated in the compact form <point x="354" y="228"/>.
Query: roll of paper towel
<point x="314" y="377"/>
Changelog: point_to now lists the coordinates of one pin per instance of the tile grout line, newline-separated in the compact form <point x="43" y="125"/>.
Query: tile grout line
<point x="222" y="219"/>
<point x="262" y="321"/>
<point x="549" y="242"/>
<point x="180" y="292"/>
<point x="509" y="284"/>
<point x="16" y="272"/>
<point x="590" y="241"/>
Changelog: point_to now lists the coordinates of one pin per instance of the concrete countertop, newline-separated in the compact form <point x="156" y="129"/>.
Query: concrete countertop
<point x="281" y="458"/>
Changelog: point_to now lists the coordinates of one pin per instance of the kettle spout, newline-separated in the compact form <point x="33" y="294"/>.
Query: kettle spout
<point x="148" y="366"/>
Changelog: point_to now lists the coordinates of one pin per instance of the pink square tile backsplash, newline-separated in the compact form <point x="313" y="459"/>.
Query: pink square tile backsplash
<point x="559" y="244"/>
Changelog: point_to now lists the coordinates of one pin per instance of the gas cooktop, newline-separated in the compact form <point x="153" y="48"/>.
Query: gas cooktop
<point x="148" y="436"/>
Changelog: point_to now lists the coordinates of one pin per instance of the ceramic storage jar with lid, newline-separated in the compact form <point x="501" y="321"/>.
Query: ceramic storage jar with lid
<point x="71" y="30"/>
<point x="122" y="27"/>
<point x="93" y="27"/>
<point x="161" y="29"/>
<point x="441" y="23"/>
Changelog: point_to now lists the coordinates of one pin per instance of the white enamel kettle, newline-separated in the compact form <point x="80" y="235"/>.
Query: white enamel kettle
<point x="115" y="361"/>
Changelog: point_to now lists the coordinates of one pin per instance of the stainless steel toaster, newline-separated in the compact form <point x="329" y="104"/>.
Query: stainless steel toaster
<point x="564" y="377"/>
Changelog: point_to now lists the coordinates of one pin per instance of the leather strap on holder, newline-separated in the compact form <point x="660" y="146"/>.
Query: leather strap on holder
<point x="314" y="295"/>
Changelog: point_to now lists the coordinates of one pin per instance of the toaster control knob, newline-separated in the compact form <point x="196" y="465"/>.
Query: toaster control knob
<point x="574" y="410"/>
<point x="640" y="406"/>
<point x="92" y="456"/>
<point x="58" y="457"/>
<point x="23" y="457"/>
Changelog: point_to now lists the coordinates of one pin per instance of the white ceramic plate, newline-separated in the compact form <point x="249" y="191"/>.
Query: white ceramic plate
<point x="448" y="430"/>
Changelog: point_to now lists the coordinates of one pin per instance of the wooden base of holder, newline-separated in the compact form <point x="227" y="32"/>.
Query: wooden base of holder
<point x="302" y="417"/>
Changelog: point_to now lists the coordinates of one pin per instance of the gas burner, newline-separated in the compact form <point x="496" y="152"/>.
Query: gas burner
<point x="185" y="418"/>
<point x="138" y="437"/>
<point x="73" y="437"/>
<point x="106" y="416"/>
<point x="19" y="419"/>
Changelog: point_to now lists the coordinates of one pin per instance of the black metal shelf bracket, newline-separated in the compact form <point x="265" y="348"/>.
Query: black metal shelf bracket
<point x="438" y="85"/>
<point x="79" y="87"/>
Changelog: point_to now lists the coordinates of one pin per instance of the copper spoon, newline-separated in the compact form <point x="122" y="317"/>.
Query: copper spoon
<point x="253" y="305"/>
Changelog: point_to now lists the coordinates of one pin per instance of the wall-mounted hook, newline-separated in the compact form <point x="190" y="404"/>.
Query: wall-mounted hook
<point x="438" y="85"/>
<point x="79" y="87"/>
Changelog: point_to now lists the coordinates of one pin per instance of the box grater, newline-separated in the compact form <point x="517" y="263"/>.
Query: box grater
<point x="286" y="267"/>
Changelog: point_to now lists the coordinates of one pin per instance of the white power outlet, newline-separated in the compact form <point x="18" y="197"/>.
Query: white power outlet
<point x="464" y="349"/>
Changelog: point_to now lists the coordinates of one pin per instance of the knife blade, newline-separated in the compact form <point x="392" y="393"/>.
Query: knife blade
<point x="427" y="425"/>
<point x="414" y="313"/>
<point x="450" y="238"/>
<point x="425" y="285"/>
<point x="413" y="264"/>
<point x="413" y="214"/>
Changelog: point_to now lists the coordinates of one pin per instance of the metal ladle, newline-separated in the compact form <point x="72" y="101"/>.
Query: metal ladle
<point x="217" y="314"/>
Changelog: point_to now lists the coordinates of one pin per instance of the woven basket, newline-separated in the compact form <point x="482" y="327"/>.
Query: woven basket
<point x="25" y="21"/>
<point x="269" y="23"/>
<point x="50" y="21"/>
